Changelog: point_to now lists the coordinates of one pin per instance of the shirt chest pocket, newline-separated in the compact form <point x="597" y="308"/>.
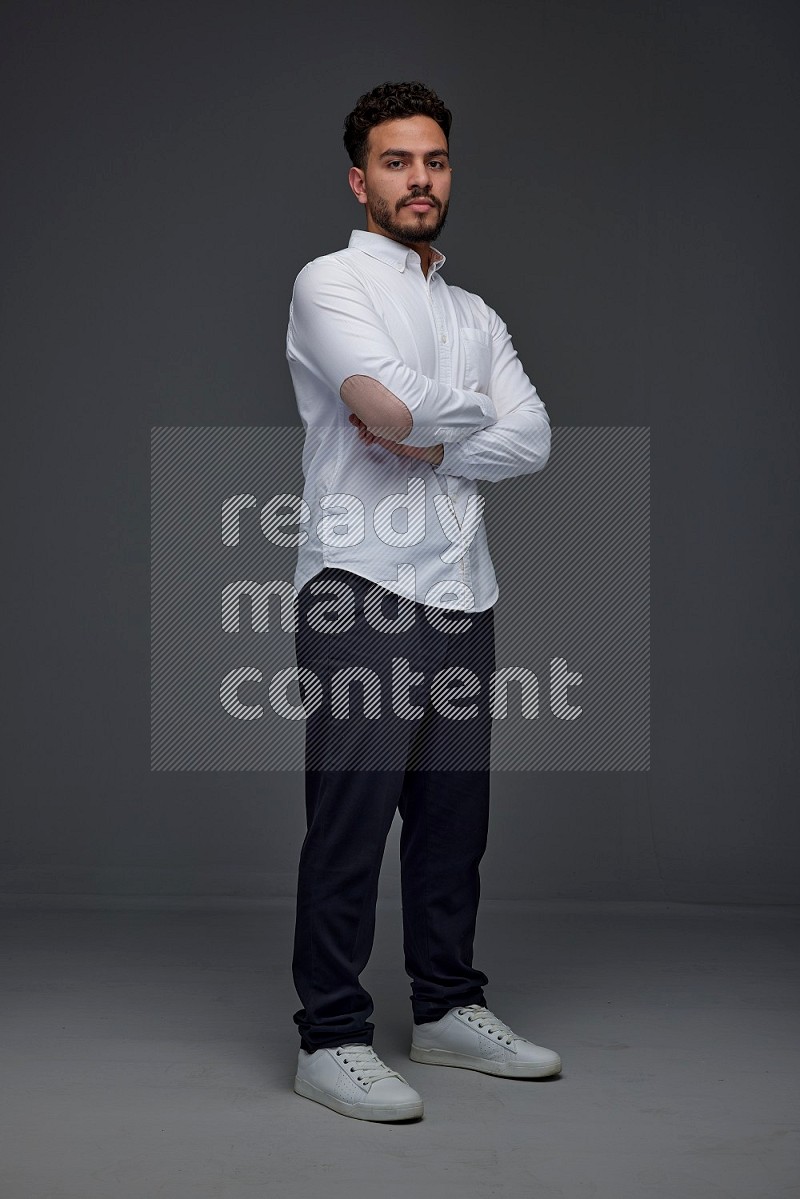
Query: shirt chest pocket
<point x="477" y="355"/>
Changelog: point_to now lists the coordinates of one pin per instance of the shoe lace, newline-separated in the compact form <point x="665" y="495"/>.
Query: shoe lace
<point x="364" y="1062"/>
<point x="494" y="1024"/>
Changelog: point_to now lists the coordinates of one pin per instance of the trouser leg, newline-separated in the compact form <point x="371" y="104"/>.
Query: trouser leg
<point x="441" y="844"/>
<point x="445" y="814"/>
<point x="350" y="805"/>
<point x="349" y="816"/>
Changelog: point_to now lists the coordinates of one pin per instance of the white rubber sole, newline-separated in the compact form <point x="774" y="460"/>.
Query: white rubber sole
<point x="359" y="1111"/>
<point x="464" y="1061"/>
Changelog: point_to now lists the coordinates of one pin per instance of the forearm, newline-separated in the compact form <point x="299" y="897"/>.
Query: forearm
<point x="429" y="453"/>
<point x="517" y="444"/>
<point x="443" y="414"/>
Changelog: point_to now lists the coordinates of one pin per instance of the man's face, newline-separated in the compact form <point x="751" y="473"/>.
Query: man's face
<point x="407" y="159"/>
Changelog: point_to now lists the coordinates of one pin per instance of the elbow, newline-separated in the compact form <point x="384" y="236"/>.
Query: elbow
<point x="540" y="442"/>
<point x="381" y="410"/>
<point x="546" y="442"/>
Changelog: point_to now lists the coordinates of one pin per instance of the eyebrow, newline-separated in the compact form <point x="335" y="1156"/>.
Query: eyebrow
<point x="405" y="154"/>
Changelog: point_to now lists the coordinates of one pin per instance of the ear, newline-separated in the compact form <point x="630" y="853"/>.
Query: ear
<point x="356" y="180"/>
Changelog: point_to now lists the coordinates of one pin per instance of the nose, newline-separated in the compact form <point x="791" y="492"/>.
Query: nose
<point x="419" y="176"/>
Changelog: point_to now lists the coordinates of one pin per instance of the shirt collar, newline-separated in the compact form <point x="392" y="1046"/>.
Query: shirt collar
<point x="386" y="249"/>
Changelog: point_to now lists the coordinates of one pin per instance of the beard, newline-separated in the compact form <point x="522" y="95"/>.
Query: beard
<point x="423" y="226"/>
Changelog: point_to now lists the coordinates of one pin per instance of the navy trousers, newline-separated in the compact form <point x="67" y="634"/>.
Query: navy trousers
<point x="401" y="744"/>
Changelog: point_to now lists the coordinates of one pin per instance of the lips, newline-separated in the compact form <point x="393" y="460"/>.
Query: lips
<point x="411" y="203"/>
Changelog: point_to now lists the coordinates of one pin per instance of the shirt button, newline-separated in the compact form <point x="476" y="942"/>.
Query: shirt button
<point x="444" y="337"/>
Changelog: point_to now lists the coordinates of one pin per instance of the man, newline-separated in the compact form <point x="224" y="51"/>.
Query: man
<point x="409" y="390"/>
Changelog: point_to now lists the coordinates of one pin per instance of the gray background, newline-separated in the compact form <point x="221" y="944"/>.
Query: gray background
<point x="625" y="194"/>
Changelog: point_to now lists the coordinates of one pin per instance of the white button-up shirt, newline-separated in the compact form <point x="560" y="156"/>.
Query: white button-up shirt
<point x="414" y="528"/>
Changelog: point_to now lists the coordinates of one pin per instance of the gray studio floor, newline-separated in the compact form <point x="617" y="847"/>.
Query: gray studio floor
<point x="151" y="1053"/>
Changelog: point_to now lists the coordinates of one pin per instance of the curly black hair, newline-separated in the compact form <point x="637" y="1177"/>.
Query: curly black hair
<point x="387" y="102"/>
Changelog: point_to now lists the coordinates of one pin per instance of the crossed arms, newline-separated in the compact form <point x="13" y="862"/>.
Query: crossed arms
<point x="336" y="333"/>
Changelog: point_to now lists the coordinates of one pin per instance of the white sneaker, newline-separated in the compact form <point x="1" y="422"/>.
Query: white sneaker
<point x="354" y="1081"/>
<point x="474" y="1038"/>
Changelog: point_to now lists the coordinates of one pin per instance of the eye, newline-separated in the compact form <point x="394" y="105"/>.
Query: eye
<point x="435" y="162"/>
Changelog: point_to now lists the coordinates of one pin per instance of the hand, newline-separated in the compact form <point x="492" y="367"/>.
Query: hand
<point x="427" y="453"/>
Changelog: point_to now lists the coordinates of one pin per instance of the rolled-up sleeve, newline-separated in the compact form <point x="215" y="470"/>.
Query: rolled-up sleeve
<point x="336" y="333"/>
<point x="519" y="441"/>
